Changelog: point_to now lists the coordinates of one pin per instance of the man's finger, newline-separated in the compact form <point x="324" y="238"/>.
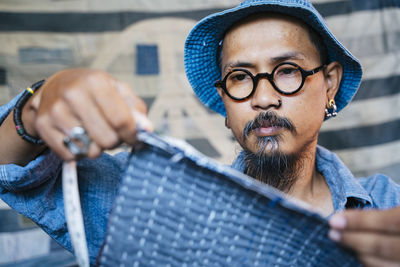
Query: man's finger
<point x="53" y="138"/>
<point x="368" y="220"/>
<point x="53" y="128"/>
<point x="137" y="106"/>
<point x="384" y="246"/>
<point x="129" y="96"/>
<point x="370" y="261"/>
<point x="89" y="117"/>
<point x="113" y="108"/>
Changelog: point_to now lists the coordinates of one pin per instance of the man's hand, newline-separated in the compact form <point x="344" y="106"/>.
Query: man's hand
<point x="106" y="108"/>
<point x="373" y="234"/>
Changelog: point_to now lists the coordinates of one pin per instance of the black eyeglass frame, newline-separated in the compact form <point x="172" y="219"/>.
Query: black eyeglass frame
<point x="269" y="76"/>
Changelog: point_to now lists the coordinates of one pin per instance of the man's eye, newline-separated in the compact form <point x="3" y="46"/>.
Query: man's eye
<point x="239" y="77"/>
<point x="287" y="71"/>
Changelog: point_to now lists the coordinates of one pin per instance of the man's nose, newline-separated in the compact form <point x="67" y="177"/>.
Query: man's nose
<point x="265" y="96"/>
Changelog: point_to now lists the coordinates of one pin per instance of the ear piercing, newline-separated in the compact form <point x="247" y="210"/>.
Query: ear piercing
<point x="331" y="110"/>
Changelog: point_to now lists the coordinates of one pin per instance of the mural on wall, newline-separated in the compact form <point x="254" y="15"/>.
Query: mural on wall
<point x="141" y="42"/>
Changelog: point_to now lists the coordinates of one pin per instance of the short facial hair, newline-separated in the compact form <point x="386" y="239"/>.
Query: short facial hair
<point x="273" y="168"/>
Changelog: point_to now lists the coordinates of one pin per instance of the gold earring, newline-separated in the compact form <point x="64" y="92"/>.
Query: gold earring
<point x="331" y="110"/>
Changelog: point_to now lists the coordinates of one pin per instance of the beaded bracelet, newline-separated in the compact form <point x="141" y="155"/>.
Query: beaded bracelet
<point x="18" y="113"/>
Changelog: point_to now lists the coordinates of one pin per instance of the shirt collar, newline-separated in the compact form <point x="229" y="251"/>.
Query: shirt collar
<point x="346" y="191"/>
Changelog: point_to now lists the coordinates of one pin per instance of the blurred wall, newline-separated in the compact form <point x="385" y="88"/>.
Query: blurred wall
<point x="141" y="42"/>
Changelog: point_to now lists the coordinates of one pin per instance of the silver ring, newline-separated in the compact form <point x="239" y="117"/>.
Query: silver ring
<point x="78" y="141"/>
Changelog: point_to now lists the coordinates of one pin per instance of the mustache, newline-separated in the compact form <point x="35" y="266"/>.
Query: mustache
<point x="268" y="119"/>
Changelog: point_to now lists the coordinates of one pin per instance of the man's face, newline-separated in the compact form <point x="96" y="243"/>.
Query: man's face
<point x="258" y="45"/>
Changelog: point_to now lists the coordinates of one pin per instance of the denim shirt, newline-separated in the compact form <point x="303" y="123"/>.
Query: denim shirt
<point x="35" y="190"/>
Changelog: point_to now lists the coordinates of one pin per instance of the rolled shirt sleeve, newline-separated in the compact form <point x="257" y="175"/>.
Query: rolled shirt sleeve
<point x="16" y="178"/>
<point x="35" y="191"/>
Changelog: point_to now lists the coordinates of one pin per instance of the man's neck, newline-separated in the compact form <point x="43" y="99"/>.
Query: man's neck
<point x="311" y="187"/>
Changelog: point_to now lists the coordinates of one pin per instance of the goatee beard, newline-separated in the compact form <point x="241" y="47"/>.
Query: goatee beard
<point x="273" y="168"/>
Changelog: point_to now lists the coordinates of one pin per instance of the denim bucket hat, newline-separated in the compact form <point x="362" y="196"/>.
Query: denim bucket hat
<point x="202" y="44"/>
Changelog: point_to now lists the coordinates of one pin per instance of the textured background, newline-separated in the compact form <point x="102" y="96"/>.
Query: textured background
<point x="141" y="42"/>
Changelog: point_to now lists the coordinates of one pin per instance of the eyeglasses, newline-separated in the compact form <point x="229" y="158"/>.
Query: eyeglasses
<point x="287" y="78"/>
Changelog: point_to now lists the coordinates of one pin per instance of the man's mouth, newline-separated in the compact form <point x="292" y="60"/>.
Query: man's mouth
<point x="268" y="130"/>
<point x="268" y="124"/>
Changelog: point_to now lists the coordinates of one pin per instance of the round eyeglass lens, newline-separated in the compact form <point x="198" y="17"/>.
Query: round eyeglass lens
<point x="288" y="78"/>
<point x="239" y="84"/>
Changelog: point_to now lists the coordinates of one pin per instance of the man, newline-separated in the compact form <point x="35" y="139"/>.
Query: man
<point x="278" y="73"/>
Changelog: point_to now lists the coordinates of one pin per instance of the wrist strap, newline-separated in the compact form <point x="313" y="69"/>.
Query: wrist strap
<point x="18" y="113"/>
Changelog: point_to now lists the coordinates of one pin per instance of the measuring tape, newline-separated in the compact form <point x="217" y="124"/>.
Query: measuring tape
<point x="72" y="206"/>
<point x="73" y="213"/>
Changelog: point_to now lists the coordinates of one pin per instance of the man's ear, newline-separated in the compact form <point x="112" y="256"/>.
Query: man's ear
<point x="333" y="76"/>
<point x="227" y="123"/>
<point x="221" y="94"/>
<point x="220" y="91"/>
